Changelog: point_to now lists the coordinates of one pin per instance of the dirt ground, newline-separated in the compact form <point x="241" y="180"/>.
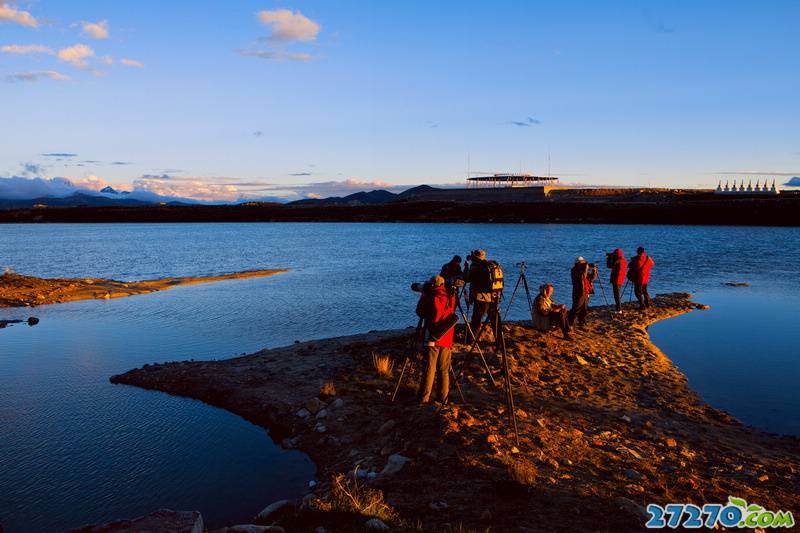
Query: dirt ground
<point x="27" y="291"/>
<point x="607" y="424"/>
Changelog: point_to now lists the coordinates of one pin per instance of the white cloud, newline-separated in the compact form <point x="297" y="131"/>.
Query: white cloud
<point x="131" y="63"/>
<point x="193" y="188"/>
<point x="22" y="49"/>
<point x="286" y="25"/>
<point x="76" y="55"/>
<point x="107" y="60"/>
<point x="38" y="74"/>
<point x="96" y="30"/>
<point x="277" y="55"/>
<point x="10" y="14"/>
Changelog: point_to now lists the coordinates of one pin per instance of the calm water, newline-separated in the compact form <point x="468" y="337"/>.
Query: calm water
<point x="75" y="449"/>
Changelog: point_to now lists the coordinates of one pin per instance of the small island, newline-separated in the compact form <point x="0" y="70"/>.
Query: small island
<point x="28" y="291"/>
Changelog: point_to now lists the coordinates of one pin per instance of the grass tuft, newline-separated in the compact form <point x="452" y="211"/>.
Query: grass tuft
<point x="383" y="364"/>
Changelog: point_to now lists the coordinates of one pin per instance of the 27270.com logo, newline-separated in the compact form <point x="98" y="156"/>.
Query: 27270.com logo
<point x="736" y="513"/>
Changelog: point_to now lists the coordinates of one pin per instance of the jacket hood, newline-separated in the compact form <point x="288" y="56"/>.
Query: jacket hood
<point x="618" y="252"/>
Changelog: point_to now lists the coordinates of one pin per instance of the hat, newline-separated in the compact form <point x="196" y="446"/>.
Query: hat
<point x="437" y="281"/>
<point x="580" y="259"/>
<point x="480" y="254"/>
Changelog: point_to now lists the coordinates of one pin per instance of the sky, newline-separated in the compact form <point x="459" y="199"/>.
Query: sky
<point x="222" y="101"/>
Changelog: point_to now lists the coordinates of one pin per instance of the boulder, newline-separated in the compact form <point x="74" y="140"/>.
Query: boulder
<point x="161" y="521"/>
<point x="271" y="511"/>
<point x="376" y="524"/>
<point x="387" y="427"/>
<point x="314" y="405"/>
<point x="395" y="463"/>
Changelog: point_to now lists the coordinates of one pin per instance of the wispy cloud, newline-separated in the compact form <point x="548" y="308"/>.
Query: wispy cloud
<point x="24" y="49"/>
<point x="131" y="63"/>
<point x="258" y="133"/>
<point x="62" y="154"/>
<point x="37" y="75"/>
<point x="121" y="163"/>
<point x="32" y="169"/>
<point x="278" y="55"/>
<point x="527" y="123"/>
<point x="96" y="30"/>
<point x="286" y="25"/>
<point x="76" y="55"/>
<point x="11" y="14"/>
<point x="301" y="174"/>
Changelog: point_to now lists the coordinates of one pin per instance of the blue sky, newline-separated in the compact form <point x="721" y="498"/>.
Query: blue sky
<point x="255" y="98"/>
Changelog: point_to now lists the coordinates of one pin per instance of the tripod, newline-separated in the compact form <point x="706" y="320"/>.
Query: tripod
<point x="500" y="341"/>
<point x="602" y="290"/>
<point x="522" y="268"/>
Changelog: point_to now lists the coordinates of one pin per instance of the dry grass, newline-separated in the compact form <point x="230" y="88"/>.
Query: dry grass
<point x="327" y="390"/>
<point x="348" y="496"/>
<point x="383" y="365"/>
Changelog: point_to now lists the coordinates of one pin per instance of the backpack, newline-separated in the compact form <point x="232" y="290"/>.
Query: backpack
<point x="610" y="260"/>
<point x="425" y="303"/>
<point x="495" y="276"/>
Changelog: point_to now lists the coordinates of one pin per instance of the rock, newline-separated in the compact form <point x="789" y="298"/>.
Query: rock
<point x="376" y="524"/>
<point x="632" y="507"/>
<point x="763" y="477"/>
<point x="338" y="403"/>
<point x="372" y="475"/>
<point x="303" y="413"/>
<point x="395" y="463"/>
<point x="486" y="516"/>
<point x="387" y="427"/>
<point x="386" y="450"/>
<point x="314" y="405"/>
<point x="540" y="422"/>
<point x="625" y="418"/>
<point x="312" y="484"/>
<point x="671" y="442"/>
<point x="320" y="529"/>
<point x="323" y="413"/>
<point x="162" y="521"/>
<point x="249" y="528"/>
<point x="438" y="506"/>
<point x="633" y="474"/>
<point x="269" y="512"/>
<point x="320" y="428"/>
<point x="32" y="321"/>
<point x="580" y="360"/>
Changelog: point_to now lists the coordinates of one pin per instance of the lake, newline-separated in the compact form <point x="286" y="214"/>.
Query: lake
<point x="75" y="449"/>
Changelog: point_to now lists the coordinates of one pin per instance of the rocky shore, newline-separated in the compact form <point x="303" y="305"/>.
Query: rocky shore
<point x="607" y="424"/>
<point x="27" y="291"/>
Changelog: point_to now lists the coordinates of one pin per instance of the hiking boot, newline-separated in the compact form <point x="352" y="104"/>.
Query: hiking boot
<point x="568" y="337"/>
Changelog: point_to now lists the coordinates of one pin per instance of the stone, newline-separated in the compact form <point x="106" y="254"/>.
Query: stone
<point x="338" y="403"/>
<point x="580" y="360"/>
<point x="323" y="413"/>
<point x="303" y="413"/>
<point x="376" y="524"/>
<point x="32" y="321"/>
<point x="540" y="422"/>
<point x="387" y="427"/>
<point x="312" y="484"/>
<point x="320" y="529"/>
<point x="632" y="507"/>
<point x="633" y="474"/>
<point x="438" y="506"/>
<point x="395" y="463"/>
<point x="270" y="511"/>
<point x="626" y="418"/>
<point x="671" y="442"/>
<point x="248" y="528"/>
<point x="763" y="477"/>
<point x="314" y="405"/>
<point x="320" y="428"/>
<point x="486" y="516"/>
<point x="161" y="521"/>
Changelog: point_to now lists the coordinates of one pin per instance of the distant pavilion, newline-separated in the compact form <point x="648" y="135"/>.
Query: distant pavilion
<point x="502" y="181"/>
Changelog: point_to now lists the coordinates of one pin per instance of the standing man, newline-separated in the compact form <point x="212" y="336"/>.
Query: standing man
<point x="582" y="278"/>
<point x="452" y="269"/>
<point x="641" y="265"/>
<point x="439" y="307"/>
<point x="481" y="295"/>
<point x="618" y="265"/>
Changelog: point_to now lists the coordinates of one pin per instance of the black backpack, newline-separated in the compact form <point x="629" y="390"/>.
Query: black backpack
<point x="488" y="276"/>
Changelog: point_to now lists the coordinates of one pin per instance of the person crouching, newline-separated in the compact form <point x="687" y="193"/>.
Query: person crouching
<point x="548" y="315"/>
<point x="439" y="311"/>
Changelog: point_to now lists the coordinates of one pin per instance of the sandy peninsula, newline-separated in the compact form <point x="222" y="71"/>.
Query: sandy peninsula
<point x="607" y="425"/>
<point x="27" y="291"/>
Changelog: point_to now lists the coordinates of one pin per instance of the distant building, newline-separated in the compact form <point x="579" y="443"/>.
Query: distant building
<point x="759" y="189"/>
<point x="500" y="181"/>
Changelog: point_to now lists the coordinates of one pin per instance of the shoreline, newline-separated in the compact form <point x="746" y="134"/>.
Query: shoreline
<point x="28" y="291"/>
<point x="607" y="425"/>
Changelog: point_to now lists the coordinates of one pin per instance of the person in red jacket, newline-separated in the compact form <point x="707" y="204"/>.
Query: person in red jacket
<point x="618" y="267"/>
<point x="439" y="306"/>
<point x="640" y="272"/>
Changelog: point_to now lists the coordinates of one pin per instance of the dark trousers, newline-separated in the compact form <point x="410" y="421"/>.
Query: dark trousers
<point x="559" y="319"/>
<point x="617" y="295"/>
<point x="437" y="365"/>
<point x="580" y="307"/>
<point x="479" y="309"/>
<point x="640" y="290"/>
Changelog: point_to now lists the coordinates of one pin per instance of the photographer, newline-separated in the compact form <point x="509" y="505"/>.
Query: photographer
<point x="481" y="296"/>
<point x="582" y="275"/>
<point x="452" y="270"/>
<point x="437" y="306"/>
<point x="617" y="263"/>
<point x="639" y="274"/>
<point x="548" y="315"/>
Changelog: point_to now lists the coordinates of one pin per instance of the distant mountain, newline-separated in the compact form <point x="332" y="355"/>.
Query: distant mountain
<point x="75" y="200"/>
<point x="793" y="182"/>
<point x="108" y="190"/>
<point x="360" y="198"/>
<point x="415" y="190"/>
